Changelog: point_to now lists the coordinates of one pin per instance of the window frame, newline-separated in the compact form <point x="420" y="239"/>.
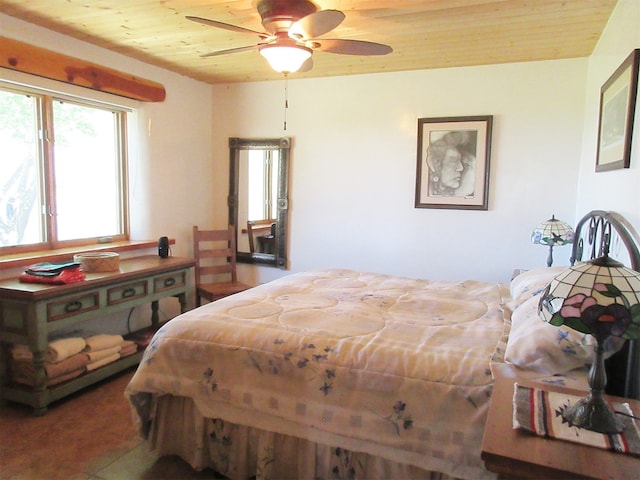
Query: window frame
<point x="45" y="150"/>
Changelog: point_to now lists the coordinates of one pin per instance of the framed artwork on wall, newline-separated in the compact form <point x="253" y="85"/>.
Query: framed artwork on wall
<point x="453" y="162"/>
<point x="617" y="108"/>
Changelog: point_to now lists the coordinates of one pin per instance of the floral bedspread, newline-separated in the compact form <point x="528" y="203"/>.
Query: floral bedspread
<point x="392" y="366"/>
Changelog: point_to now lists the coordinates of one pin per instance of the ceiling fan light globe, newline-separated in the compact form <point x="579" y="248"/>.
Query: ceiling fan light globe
<point x="285" y="59"/>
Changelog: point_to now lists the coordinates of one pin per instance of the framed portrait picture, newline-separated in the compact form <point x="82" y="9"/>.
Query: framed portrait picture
<point x="453" y="162"/>
<point x="617" y="109"/>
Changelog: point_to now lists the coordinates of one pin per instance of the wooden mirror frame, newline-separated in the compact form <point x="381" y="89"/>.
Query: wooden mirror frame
<point x="283" y="145"/>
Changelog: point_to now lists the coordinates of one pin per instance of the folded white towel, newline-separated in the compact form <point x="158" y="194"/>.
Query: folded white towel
<point x="26" y="368"/>
<point x="63" y="348"/>
<point x="100" y="354"/>
<point x="128" y="348"/>
<point x="50" y="382"/>
<point x="103" y="341"/>
<point x="102" y="362"/>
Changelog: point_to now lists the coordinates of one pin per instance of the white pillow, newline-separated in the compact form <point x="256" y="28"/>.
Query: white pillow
<point x="536" y="345"/>
<point x="539" y="346"/>
<point x="531" y="283"/>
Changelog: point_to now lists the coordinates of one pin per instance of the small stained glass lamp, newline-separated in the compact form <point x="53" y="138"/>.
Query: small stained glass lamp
<point x="551" y="233"/>
<point x="602" y="298"/>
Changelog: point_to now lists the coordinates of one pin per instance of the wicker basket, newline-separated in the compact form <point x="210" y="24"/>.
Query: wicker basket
<point x="98" y="262"/>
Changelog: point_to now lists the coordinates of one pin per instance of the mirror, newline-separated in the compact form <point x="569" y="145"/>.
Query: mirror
<point x="258" y="199"/>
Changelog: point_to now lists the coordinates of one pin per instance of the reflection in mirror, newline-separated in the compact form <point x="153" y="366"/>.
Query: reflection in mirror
<point x="258" y="205"/>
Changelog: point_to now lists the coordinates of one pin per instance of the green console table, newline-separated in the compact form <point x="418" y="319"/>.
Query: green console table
<point x="30" y="312"/>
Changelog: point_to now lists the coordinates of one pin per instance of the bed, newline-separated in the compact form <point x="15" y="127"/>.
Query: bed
<point x="343" y="374"/>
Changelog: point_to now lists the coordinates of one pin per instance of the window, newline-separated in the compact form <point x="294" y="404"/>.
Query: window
<point x="62" y="171"/>
<point x="263" y="184"/>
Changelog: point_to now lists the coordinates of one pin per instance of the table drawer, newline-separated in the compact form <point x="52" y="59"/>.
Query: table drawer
<point x="70" y="306"/>
<point x="126" y="293"/>
<point x="169" y="281"/>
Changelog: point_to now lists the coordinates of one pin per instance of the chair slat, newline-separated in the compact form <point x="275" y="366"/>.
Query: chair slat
<point x="215" y="269"/>
<point x="226" y="252"/>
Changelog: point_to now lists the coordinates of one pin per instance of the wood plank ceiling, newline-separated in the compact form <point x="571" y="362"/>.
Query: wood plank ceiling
<point x="424" y="34"/>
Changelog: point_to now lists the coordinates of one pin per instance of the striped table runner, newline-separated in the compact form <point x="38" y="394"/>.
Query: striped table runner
<point x="538" y="411"/>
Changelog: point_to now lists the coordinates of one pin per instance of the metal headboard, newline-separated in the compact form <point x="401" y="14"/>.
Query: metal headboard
<point x="601" y="232"/>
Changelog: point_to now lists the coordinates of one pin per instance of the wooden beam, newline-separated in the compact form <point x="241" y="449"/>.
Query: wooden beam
<point x="23" y="57"/>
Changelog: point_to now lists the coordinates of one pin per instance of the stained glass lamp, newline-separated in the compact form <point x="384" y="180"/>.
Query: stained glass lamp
<point x="602" y="298"/>
<point x="551" y="233"/>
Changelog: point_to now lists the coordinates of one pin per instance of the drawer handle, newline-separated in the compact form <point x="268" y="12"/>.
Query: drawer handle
<point x="73" y="306"/>
<point x="169" y="282"/>
<point x="128" y="292"/>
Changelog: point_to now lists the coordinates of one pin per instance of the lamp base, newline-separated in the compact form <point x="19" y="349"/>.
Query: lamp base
<point x="593" y="413"/>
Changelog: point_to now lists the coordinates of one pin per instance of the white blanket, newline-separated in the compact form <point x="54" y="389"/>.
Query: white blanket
<point x="391" y="366"/>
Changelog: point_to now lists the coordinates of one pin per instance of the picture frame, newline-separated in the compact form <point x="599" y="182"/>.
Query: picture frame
<point x="618" y="98"/>
<point x="453" y="162"/>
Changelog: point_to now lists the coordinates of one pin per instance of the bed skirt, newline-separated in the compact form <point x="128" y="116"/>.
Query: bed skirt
<point x="240" y="452"/>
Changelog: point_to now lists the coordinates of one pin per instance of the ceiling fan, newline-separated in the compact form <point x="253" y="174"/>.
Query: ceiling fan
<point x="292" y="31"/>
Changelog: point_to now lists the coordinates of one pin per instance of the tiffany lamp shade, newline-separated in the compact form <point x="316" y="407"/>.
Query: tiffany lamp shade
<point x="551" y="233"/>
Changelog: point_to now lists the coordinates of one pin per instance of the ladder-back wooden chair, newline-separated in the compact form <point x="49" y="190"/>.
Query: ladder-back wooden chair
<point x="256" y="228"/>
<point x="215" y="254"/>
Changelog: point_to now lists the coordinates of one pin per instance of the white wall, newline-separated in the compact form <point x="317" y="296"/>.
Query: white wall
<point x="617" y="190"/>
<point x="354" y="162"/>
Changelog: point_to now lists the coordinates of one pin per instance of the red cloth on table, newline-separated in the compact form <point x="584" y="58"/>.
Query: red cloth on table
<point x="68" y="275"/>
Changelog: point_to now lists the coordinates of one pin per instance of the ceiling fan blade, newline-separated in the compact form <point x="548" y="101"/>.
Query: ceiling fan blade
<point x="227" y="26"/>
<point x="232" y="50"/>
<point x="316" y="24"/>
<point x="350" y="47"/>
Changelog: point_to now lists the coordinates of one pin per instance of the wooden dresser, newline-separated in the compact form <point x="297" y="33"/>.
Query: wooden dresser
<point x="30" y="312"/>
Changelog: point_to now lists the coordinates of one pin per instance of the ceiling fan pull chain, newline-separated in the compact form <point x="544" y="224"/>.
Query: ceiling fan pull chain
<point x="286" y="99"/>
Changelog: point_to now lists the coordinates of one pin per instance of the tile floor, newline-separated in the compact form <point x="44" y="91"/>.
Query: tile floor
<point x="87" y="436"/>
